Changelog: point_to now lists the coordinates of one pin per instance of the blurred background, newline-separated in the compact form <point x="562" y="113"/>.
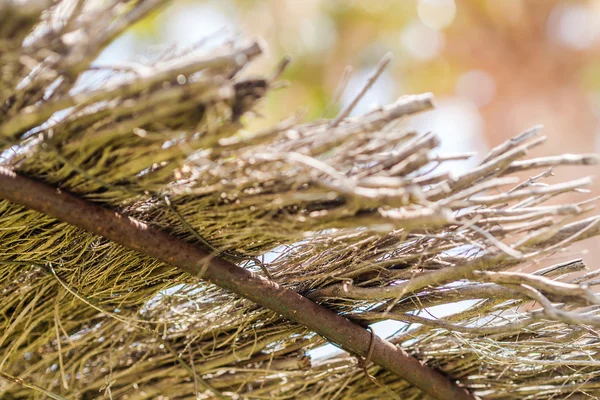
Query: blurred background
<point x="495" y="67"/>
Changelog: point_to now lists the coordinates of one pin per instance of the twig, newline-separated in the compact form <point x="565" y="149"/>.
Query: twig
<point x="74" y="13"/>
<point x="339" y="90"/>
<point x="485" y="185"/>
<point x="564" y="290"/>
<point x="512" y="143"/>
<point x="562" y="269"/>
<point x="192" y="372"/>
<point x="428" y="141"/>
<point x="533" y="179"/>
<point x="378" y="71"/>
<point x="440" y="323"/>
<point x="283" y="64"/>
<point x="554" y="313"/>
<point x="542" y="162"/>
<point x="519" y="194"/>
<point x="505" y="248"/>
<point x="19" y="381"/>
<point x="488" y="169"/>
<point x="61" y="365"/>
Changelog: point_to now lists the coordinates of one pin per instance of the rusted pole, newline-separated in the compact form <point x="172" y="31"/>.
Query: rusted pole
<point x="138" y="236"/>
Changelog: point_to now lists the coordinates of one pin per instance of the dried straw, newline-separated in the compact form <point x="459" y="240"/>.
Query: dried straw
<point x="360" y="217"/>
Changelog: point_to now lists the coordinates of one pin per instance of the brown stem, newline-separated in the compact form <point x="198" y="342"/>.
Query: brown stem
<point x="138" y="236"/>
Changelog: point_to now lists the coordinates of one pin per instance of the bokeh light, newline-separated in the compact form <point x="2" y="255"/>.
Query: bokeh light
<point x="574" y="25"/>
<point x="436" y="14"/>
<point x="421" y="42"/>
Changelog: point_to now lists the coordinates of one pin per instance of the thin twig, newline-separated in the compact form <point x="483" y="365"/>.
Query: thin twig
<point x="339" y="90"/>
<point x="378" y="71"/>
<point x="19" y="381"/>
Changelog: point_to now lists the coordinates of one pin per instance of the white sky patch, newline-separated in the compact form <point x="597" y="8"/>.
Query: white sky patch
<point x="445" y="310"/>
<point x="323" y="352"/>
<point x="186" y="26"/>
<point x="119" y="50"/>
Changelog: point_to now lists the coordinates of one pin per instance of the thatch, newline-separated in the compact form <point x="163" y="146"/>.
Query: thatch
<point x="362" y="221"/>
